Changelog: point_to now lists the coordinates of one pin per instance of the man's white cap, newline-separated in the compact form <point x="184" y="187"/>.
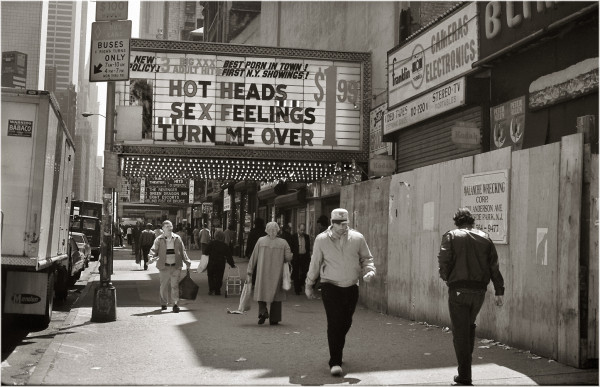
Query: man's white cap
<point x="339" y="214"/>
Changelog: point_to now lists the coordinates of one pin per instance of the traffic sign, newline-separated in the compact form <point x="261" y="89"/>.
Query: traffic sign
<point x="110" y="51"/>
<point x="111" y="10"/>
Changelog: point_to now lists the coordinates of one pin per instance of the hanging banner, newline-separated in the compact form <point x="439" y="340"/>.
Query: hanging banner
<point x="376" y="146"/>
<point x="486" y="196"/>
<point x="508" y="124"/>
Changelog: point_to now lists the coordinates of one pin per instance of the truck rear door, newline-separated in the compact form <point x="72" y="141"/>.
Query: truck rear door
<point x="19" y="124"/>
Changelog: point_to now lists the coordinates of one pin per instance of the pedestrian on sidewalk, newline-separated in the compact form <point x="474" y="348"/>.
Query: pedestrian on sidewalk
<point x="130" y="237"/>
<point x="254" y="235"/>
<point x="301" y="249"/>
<point x="218" y="253"/>
<point x="196" y="237"/>
<point x="146" y="242"/>
<point x="169" y="250"/>
<point x="204" y="238"/>
<point x="340" y="256"/>
<point x="467" y="261"/>
<point x="265" y="270"/>
<point x="230" y="237"/>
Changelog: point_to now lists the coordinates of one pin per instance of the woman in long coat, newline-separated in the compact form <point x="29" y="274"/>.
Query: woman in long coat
<point x="266" y="270"/>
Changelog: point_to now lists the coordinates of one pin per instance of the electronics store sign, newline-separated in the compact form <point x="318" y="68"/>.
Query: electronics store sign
<point x="253" y="102"/>
<point x="439" y="54"/>
<point x="486" y="196"/>
<point x="429" y="105"/>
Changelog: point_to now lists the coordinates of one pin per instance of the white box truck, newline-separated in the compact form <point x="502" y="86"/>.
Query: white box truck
<point x="37" y="174"/>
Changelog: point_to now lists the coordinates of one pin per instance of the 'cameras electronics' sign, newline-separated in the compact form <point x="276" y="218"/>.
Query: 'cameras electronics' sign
<point x="439" y="54"/>
<point x="254" y="102"/>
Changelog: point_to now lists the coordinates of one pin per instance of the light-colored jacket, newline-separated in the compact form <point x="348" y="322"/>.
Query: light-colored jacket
<point x="341" y="264"/>
<point x="266" y="263"/>
<point x="159" y="249"/>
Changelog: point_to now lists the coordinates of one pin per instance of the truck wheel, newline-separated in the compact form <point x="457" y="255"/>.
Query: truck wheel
<point x="41" y="322"/>
<point x="95" y="255"/>
<point x="62" y="283"/>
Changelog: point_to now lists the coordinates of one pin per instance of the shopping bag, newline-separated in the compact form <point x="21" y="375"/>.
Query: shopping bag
<point x="245" y="298"/>
<point x="203" y="263"/>
<point x="287" y="276"/>
<point x="188" y="290"/>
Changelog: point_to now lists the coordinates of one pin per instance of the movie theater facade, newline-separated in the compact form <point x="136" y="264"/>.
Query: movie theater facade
<point x="228" y="133"/>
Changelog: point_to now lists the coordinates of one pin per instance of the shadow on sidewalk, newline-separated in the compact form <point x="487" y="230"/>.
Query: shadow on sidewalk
<point x="297" y="348"/>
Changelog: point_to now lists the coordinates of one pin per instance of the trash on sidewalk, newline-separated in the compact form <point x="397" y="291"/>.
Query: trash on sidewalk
<point x="446" y="330"/>
<point x="241" y="359"/>
<point x="486" y="341"/>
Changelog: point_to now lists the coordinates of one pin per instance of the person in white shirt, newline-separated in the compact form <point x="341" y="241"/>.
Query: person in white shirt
<point x="340" y="257"/>
<point x="168" y="249"/>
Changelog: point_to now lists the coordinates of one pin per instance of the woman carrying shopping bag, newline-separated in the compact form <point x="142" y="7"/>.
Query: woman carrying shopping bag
<point x="265" y="268"/>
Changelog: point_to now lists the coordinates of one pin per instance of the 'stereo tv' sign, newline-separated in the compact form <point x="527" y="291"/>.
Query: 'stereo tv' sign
<point x="249" y="101"/>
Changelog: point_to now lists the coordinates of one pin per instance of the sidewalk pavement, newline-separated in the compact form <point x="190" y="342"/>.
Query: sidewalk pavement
<point x="204" y="345"/>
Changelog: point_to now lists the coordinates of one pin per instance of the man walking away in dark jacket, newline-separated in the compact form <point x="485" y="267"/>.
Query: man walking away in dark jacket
<point x="146" y="241"/>
<point x="301" y="249"/>
<point x="467" y="261"/>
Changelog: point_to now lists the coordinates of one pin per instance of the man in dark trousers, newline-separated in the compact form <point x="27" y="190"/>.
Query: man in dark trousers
<point x="341" y="256"/>
<point x="467" y="261"/>
<point x="301" y="249"/>
<point x="146" y="242"/>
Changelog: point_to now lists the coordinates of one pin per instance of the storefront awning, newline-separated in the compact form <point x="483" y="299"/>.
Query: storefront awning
<point x="292" y="199"/>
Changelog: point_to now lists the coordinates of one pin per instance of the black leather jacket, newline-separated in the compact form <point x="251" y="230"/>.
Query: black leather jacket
<point x="468" y="259"/>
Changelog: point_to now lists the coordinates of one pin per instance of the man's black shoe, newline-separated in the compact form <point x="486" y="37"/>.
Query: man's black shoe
<point x="461" y="382"/>
<point x="145" y="266"/>
<point x="263" y="317"/>
<point x="175" y="309"/>
<point x="163" y="307"/>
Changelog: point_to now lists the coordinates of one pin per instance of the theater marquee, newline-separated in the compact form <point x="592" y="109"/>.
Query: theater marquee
<point x="248" y="101"/>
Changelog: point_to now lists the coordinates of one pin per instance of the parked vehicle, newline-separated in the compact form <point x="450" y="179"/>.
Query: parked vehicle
<point x="83" y="245"/>
<point x="86" y="208"/>
<point x="91" y="227"/>
<point x="37" y="173"/>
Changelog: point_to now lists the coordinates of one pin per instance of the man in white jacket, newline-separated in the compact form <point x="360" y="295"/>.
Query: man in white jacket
<point x="340" y="257"/>
<point x="169" y="250"/>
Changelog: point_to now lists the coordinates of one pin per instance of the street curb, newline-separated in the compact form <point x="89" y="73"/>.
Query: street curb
<point x="45" y="363"/>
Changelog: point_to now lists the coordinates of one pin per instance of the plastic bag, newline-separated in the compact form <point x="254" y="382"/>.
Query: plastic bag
<point x="246" y="298"/>
<point x="188" y="290"/>
<point x="287" y="276"/>
<point x="203" y="263"/>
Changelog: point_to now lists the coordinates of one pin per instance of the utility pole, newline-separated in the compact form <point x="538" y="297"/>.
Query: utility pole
<point x="105" y="296"/>
<point x="107" y="64"/>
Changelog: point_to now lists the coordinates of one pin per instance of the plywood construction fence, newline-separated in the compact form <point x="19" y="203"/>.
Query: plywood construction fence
<point x="404" y="217"/>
